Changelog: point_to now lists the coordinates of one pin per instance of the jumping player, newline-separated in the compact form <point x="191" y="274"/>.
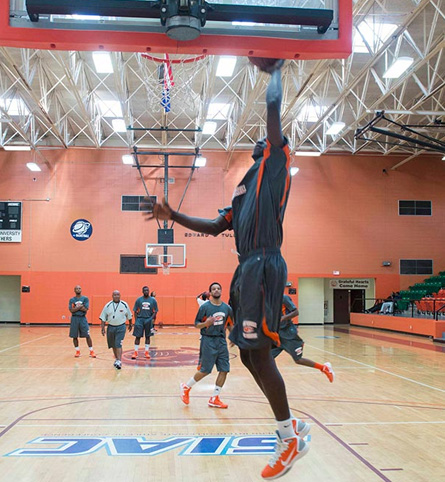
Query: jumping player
<point x="213" y="318"/>
<point x="256" y="217"/>
<point x="79" y="306"/>
<point x="145" y="310"/>
<point x="292" y="343"/>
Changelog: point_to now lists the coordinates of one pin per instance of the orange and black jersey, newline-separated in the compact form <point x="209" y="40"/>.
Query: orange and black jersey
<point x="259" y="202"/>
<point x="286" y="308"/>
<point x="223" y="315"/>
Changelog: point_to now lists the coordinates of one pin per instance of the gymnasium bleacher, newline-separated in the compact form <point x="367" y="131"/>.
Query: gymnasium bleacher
<point x="428" y="297"/>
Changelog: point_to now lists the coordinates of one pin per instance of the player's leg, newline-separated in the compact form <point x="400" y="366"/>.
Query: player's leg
<point x="223" y="367"/>
<point x="84" y="332"/>
<point x="138" y="331"/>
<point x="207" y="362"/>
<point x="325" y="368"/>
<point x="74" y="334"/>
<point x="290" y="447"/>
<point x="147" y="328"/>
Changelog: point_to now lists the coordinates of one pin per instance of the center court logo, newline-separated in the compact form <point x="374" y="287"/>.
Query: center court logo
<point x="81" y="230"/>
<point x="189" y="445"/>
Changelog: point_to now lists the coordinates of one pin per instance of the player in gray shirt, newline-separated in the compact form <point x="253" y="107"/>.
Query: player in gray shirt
<point x="78" y="306"/>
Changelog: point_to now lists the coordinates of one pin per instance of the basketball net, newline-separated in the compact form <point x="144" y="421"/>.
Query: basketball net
<point x="165" y="268"/>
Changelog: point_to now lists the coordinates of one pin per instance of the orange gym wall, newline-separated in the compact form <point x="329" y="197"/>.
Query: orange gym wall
<point x="342" y="215"/>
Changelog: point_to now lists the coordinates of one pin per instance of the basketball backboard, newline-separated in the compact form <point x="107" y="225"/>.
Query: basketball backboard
<point x="162" y="255"/>
<point x="296" y="29"/>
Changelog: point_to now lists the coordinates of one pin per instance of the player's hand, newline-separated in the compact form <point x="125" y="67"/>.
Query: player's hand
<point x="160" y="211"/>
<point x="210" y="321"/>
<point x="130" y="326"/>
<point x="103" y="331"/>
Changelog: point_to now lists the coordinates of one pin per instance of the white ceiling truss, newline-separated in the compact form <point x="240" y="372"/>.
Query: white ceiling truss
<point x="55" y="99"/>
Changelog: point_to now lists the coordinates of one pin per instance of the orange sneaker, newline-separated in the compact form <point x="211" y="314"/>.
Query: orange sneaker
<point x="147" y="355"/>
<point x="134" y="356"/>
<point x="287" y="452"/>
<point x="92" y="354"/>
<point x="185" y="393"/>
<point x="77" y="355"/>
<point x="216" y="402"/>
<point x="301" y="428"/>
<point x="328" y="371"/>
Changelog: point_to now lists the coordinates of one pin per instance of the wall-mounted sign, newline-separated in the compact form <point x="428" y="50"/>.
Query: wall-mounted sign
<point x="349" y="284"/>
<point x="10" y="222"/>
<point x="81" y="230"/>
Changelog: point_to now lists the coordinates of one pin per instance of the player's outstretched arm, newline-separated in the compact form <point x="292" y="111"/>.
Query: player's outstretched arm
<point x="274" y="96"/>
<point x="201" y="225"/>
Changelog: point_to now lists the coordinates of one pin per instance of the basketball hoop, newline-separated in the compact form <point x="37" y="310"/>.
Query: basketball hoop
<point x="166" y="268"/>
<point x="184" y="71"/>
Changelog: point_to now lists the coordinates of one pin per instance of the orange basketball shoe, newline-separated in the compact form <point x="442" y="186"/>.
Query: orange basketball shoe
<point x="216" y="402"/>
<point x="134" y="356"/>
<point x="287" y="452"/>
<point x="77" y="355"/>
<point x="301" y="428"/>
<point x="92" y="354"/>
<point x="147" y="355"/>
<point x="328" y="371"/>
<point x="185" y="393"/>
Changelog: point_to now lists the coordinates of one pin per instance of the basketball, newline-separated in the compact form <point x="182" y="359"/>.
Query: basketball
<point x="266" y="64"/>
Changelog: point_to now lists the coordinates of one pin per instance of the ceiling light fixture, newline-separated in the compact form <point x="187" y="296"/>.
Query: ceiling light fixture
<point x="307" y="153"/>
<point x="102" y="62"/>
<point x="32" y="166"/>
<point x="401" y="65"/>
<point x="16" y="148"/>
<point x="200" y="161"/>
<point x="119" y="125"/>
<point x="127" y="159"/>
<point x="209" y="128"/>
<point x="335" y="128"/>
<point x="226" y="66"/>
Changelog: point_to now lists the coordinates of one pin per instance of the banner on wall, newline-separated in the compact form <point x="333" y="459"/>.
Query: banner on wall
<point x="349" y="284"/>
<point x="11" y="222"/>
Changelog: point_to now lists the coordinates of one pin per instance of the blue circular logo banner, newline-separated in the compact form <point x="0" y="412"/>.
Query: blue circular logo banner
<point x="81" y="230"/>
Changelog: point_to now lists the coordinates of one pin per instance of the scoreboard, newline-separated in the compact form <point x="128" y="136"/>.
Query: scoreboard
<point x="10" y="222"/>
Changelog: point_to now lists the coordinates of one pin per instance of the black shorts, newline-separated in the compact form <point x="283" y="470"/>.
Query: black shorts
<point x="214" y="351"/>
<point x="143" y="325"/>
<point x="256" y="295"/>
<point x="290" y="342"/>
<point x="79" y="327"/>
<point x="115" y="335"/>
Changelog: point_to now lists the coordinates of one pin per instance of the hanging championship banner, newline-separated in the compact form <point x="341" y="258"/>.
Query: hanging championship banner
<point x="11" y="222"/>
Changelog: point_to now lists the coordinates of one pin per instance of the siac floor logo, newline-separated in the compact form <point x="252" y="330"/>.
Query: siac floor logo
<point x="206" y="445"/>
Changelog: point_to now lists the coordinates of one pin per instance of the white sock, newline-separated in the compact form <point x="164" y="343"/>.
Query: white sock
<point x="217" y="391"/>
<point x="77" y="348"/>
<point x="191" y="382"/>
<point x="285" y="428"/>
<point x="147" y="347"/>
<point x="136" y="347"/>
<point x="91" y="348"/>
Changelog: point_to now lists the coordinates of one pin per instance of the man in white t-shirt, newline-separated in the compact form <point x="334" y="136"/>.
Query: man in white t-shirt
<point x="116" y="313"/>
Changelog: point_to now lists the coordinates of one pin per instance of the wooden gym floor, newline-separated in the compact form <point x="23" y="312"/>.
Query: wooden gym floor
<point x="69" y="420"/>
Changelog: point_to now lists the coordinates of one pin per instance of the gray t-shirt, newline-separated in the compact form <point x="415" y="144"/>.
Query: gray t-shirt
<point x="223" y="315"/>
<point x="145" y="307"/>
<point x="79" y="301"/>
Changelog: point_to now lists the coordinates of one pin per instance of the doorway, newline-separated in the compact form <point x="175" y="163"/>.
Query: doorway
<point x="341" y="307"/>
<point x="10" y="293"/>
<point x="357" y="300"/>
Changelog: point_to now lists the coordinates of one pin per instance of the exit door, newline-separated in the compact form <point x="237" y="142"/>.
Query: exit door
<point x="341" y="306"/>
